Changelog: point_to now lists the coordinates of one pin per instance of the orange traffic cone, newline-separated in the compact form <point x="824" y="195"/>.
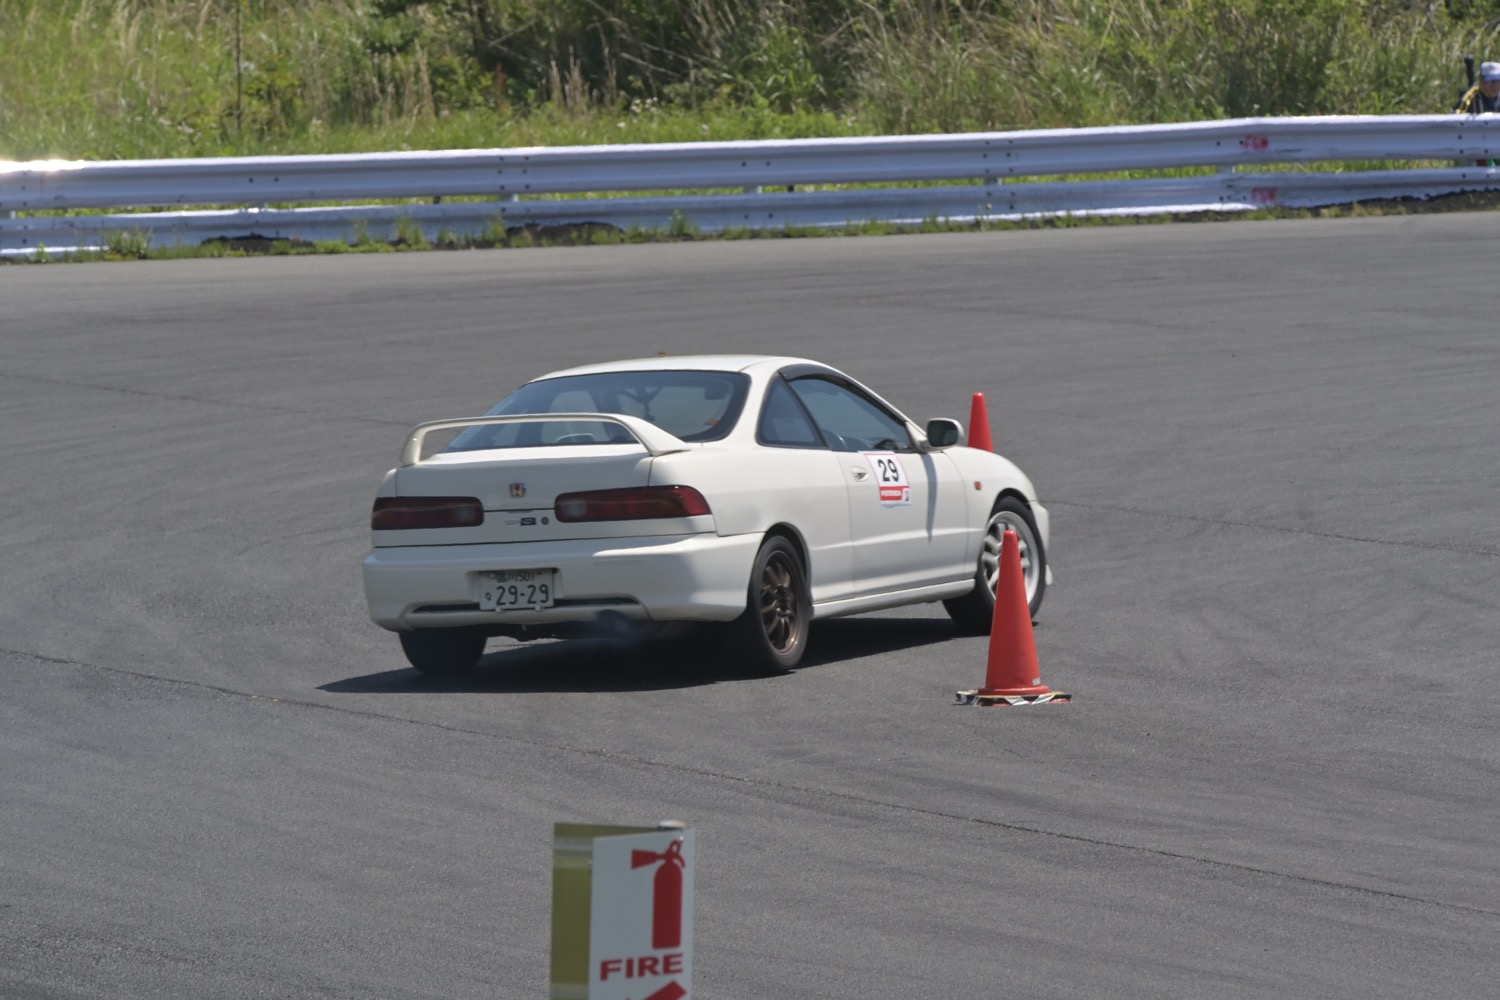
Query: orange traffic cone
<point x="1013" y="676"/>
<point x="979" y="424"/>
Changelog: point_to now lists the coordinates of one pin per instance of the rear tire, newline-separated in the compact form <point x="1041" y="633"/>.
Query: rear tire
<point x="771" y="636"/>
<point x="443" y="652"/>
<point x="974" y="612"/>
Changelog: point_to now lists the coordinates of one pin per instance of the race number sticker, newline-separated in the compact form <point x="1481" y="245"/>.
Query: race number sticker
<point x="890" y="479"/>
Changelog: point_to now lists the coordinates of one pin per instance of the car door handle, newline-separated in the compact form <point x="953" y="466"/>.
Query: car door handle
<point x="860" y="475"/>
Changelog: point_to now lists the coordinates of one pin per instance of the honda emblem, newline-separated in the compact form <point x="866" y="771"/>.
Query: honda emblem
<point x="518" y="489"/>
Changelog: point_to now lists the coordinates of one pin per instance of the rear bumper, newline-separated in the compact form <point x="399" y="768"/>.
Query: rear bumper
<point x="700" y="577"/>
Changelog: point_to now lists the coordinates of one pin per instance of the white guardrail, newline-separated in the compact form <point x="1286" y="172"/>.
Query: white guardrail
<point x="903" y="180"/>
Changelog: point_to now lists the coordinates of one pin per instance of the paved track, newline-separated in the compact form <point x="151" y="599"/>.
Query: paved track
<point x="1272" y="454"/>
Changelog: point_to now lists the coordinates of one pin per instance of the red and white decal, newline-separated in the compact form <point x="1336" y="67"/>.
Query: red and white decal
<point x="890" y="478"/>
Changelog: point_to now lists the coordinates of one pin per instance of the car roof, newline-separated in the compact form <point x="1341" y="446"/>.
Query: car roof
<point x="686" y="362"/>
<point x="754" y="365"/>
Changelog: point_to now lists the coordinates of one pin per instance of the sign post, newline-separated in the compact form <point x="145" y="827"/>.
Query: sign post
<point x="622" y="912"/>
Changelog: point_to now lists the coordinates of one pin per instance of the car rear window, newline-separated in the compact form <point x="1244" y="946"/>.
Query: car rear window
<point x="691" y="405"/>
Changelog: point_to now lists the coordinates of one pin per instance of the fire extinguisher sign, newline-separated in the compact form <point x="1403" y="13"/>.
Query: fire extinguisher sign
<point x="639" y="916"/>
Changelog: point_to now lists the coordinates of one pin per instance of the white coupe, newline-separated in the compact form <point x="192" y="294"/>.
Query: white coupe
<point x="758" y="493"/>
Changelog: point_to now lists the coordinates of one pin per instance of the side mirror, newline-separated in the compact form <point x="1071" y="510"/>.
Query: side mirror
<point x="944" y="433"/>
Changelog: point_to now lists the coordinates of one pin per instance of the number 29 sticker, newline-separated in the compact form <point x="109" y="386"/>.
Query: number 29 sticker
<point x="890" y="478"/>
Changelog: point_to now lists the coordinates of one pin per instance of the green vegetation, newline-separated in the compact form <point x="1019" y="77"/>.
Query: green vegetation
<point x="106" y="79"/>
<point x="143" y="79"/>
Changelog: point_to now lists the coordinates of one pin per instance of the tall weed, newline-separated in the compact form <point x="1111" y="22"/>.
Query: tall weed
<point x="145" y="78"/>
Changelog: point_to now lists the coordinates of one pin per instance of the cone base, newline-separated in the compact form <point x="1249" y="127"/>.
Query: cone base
<point x="990" y="699"/>
<point x="1025" y="690"/>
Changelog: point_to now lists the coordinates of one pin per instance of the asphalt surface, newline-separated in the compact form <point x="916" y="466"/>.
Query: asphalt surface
<point x="1272" y="456"/>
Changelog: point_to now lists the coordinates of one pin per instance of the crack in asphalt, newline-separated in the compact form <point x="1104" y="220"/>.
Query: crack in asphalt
<point x="1454" y="547"/>
<point x="770" y="784"/>
<point x="184" y="398"/>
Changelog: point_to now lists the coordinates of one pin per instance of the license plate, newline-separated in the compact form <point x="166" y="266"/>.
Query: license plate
<point x="504" y="590"/>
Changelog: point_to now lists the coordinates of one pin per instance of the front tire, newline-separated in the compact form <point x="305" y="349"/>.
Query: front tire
<point x="771" y="636"/>
<point x="443" y="652"/>
<point x="975" y="611"/>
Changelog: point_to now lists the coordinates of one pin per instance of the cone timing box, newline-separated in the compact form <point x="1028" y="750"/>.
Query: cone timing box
<point x="1012" y="675"/>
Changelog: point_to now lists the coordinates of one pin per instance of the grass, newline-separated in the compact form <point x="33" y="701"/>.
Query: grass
<point x="146" y="79"/>
<point x="138" y="79"/>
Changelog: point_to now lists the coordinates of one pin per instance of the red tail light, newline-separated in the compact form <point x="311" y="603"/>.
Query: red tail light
<point x="397" y="513"/>
<point x="637" y="504"/>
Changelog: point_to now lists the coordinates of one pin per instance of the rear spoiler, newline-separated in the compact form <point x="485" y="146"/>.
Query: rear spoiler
<point x="653" y="438"/>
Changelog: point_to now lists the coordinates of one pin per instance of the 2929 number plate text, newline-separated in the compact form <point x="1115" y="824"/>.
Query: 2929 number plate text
<point x="515" y="588"/>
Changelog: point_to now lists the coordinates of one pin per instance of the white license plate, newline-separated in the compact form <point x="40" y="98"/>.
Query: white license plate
<point x="504" y="590"/>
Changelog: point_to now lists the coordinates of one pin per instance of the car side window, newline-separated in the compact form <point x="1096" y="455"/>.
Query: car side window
<point x="784" y="422"/>
<point x="850" y="421"/>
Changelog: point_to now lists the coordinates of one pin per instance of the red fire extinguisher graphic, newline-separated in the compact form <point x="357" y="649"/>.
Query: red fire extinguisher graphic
<point x="666" y="902"/>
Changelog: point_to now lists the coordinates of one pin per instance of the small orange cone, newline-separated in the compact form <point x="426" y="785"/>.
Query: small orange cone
<point x="979" y="424"/>
<point x="1013" y="676"/>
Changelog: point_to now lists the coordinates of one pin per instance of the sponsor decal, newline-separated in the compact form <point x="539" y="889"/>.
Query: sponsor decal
<point x="890" y="478"/>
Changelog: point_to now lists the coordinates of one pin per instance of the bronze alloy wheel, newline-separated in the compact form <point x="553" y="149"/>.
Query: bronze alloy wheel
<point x="771" y="635"/>
<point x="780" y="608"/>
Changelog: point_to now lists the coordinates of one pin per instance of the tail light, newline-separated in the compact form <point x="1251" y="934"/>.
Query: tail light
<point x="397" y="513"/>
<point x="636" y="504"/>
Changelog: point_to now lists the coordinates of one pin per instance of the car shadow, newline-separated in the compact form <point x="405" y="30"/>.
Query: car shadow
<point x="604" y="665"/>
